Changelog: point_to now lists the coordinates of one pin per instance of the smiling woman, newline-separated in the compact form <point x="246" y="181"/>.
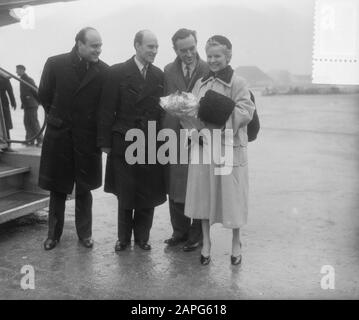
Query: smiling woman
<point x="218" y="54"/>
<point x="224" y="103"/>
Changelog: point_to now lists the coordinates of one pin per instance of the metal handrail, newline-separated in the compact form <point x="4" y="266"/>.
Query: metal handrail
<point x="19" y="79"/>
<point x="3" y="125"/>
<point x="44" y="124"/>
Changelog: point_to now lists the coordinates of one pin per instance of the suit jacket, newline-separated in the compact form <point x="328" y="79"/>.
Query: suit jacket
<point x="176" y="174"/>
<point x="174" y="77"/>
<point x="129" y="102"/>
<point x="5" y="91"/>
<point x="29" y="96"/>
<point x="69" y="151"/>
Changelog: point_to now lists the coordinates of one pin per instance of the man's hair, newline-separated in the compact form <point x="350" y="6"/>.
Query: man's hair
<point x="139" y="37"/>
<point x="81" y="35"/>
<point x="20" y="66"/>
<point x="183" y="34"/>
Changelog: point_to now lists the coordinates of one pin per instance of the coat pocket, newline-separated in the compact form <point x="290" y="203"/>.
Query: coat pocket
<point x="119" y="143"/>
<point x="54" y="121"/>
<point x="243" y="157"/>
<point x="240" y="157"/>
<point x="243" y="138"/>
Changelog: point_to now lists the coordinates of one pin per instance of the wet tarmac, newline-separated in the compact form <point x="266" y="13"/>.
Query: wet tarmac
<point x="304" y="214"/>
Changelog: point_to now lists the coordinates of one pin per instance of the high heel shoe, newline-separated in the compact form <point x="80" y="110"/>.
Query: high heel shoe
<point x="236" y="260"/>
<point x="205" y="260"/>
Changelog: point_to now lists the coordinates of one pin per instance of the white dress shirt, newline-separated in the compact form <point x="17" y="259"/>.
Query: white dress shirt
<point x="140" y="66"/>
<point x="191" y="68"/>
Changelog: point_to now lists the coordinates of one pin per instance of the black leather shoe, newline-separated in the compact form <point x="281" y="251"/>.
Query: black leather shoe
<point x="143" y="245"/>
<point x="190" y="246"/>
<point x="174" y="241"/>
<point x="49" y="244"/>
<point x="205" y="260"/>
<point x="87" y="243"/>
<point x="236" y="260"/>
<point x="121" y="245"/>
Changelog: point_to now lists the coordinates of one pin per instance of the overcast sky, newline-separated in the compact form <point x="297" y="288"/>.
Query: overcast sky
<point x="272" y="34"/>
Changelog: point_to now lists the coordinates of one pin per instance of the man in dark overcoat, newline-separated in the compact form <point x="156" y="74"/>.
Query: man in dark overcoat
<point x="30" y="104"/>
<point x="181" y="75"/>
<point x="131" y="101"/>
<point x="7" y="93"/>
<point x="70" y="91"/>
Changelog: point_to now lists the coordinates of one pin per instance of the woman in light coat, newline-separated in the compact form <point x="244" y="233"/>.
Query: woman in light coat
<point x="216" y="196"/>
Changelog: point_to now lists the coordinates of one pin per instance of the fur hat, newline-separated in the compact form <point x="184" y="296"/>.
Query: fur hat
<point x="215" y="108"/>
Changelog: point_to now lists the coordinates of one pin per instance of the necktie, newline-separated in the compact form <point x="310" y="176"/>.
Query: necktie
<point x="187" y="76"/>
<point x="144" y="71"/>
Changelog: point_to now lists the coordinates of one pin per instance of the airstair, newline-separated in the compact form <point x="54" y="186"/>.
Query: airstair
<point x="19" y="193"/>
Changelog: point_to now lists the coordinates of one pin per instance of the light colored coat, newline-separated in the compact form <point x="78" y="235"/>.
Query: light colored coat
<point x="222" y="198"/>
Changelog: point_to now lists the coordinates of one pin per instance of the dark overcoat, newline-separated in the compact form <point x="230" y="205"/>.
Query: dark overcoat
<point x="176" y="174"/>
<point x="129" y="102"/>
<point x="5" y="91"/>
<point x="69" y="152"/>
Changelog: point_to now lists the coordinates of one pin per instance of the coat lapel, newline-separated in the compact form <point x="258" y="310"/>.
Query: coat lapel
<point x="194" y="77"/>
<point x="150" y="84"/>
<point x="72" y="69"/>
<point x="134" y="80"/>
<point x="143" y="87"/>
<point x="180" y="82"/>
<point x="89" y="76"/>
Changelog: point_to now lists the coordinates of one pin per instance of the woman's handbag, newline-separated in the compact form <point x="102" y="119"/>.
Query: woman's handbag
<point x="253" y="126"/>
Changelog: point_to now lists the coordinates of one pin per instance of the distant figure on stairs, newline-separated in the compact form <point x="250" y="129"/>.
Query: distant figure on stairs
<point x="7" y="93"/>
<point x="30" y="104"/>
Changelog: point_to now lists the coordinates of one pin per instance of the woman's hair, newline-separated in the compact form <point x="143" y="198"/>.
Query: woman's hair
<point x="223" y="42"/>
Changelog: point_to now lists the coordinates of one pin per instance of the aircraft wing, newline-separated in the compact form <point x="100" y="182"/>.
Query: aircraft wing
<point x="7" y="5"/>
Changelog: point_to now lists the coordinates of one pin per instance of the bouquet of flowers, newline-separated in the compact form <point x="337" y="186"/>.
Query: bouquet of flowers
<point x="180" y="104"/>
<point x="183" y="105"/>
